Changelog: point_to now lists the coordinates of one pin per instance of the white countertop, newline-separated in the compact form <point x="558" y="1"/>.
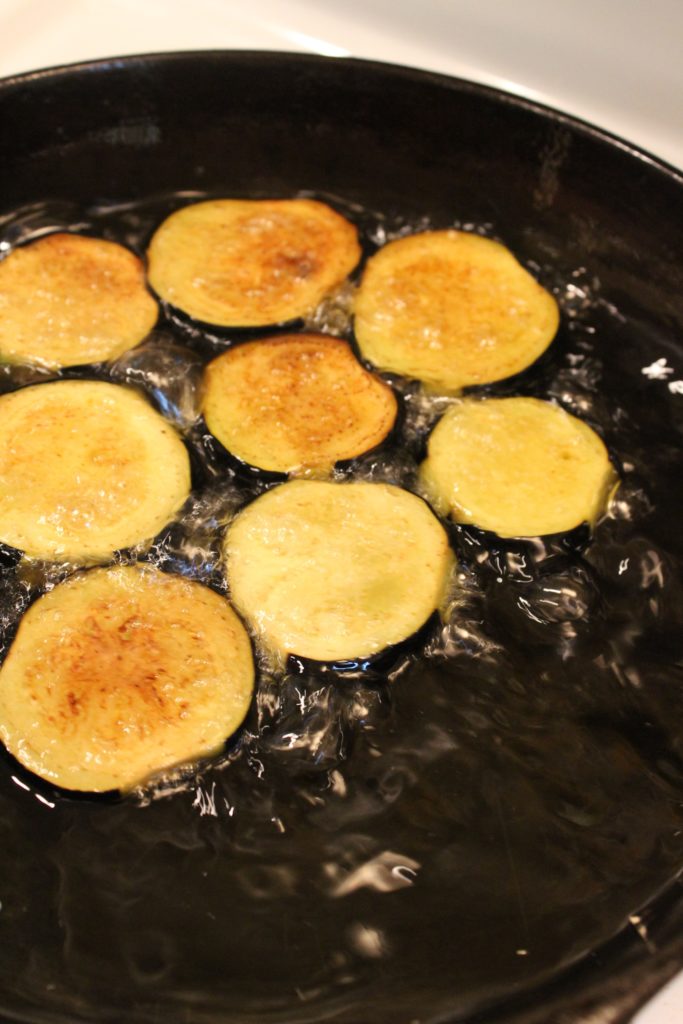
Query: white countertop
<point x="616" y="63"/>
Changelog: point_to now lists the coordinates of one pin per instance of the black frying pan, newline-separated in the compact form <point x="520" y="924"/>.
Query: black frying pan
<point x="546" y="827"/>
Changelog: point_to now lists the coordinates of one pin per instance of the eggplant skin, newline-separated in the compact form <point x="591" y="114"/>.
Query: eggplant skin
<point x="86" y="468"/>
<point x="120" y="673"/>
<point x="517" y="467"/>
<point x="68" y="300"/>
<point x="296" y="403"/>
<point x="451" y="309"/>
<point x="336" y="571"/>
<point x="251" y="262"/>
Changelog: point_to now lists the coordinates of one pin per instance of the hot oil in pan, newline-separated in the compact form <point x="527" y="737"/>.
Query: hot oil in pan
<point x="385" y="847"/>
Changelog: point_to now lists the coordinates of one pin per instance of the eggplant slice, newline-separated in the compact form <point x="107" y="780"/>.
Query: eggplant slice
<point x="68" y="300"/>
<point x="336" y="571"/>
<point x="120" y="673"/>
<point x="86" y="468"/>
<point x="451" y="309"/>
<point x="296" y="403"/>
<point x="519" y="467"/>
<point x="251" y="263"/>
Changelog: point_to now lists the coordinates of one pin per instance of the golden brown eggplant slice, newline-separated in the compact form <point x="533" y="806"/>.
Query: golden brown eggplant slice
<point x="68" y="299"/>
<point x="86" y="468"/>
<point x="334" y="571"/>
<point x="519" y="467"/>
<point x="251" y="262"/>
<point x="451" y="309"/>
<point x="121" y="673"/>
<point x="296" y="403"/>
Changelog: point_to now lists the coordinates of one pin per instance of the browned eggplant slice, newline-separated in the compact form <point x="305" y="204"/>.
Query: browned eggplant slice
<point x="120" y="673"/>
<point x="68" y="299"/>
<point x="251" y="263"/>
<point x="296" y="403"/>
<point x="451" y="309"/>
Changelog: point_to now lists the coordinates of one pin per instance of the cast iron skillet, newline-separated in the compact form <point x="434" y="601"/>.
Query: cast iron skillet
<point x="565" y="901"/>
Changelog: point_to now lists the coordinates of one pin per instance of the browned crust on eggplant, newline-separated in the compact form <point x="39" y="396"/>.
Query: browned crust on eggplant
<point x="120" y="673"/>
<point x="251" y="263"/>
<point x="296" y="403"/>
<point x="67" y="300"/>
<point x="451" y="309"/>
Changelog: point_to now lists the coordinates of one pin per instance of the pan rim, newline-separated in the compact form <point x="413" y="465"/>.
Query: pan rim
<point x="548" y="112"/>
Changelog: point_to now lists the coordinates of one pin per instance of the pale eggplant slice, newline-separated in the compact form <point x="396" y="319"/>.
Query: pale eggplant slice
<point x="86" y="468"/>
<point x="451" y="309"/>
<point x="336" y="571"/>
<point x="519" y="467"/>
<point x="120" y="673"/>
<point x="68" y="299"/>
<point x="296" y="403"/>
<point x="251" y="262"/>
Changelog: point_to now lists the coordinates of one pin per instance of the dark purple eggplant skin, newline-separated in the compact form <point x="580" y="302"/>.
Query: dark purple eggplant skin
<point x="560" y="194"/>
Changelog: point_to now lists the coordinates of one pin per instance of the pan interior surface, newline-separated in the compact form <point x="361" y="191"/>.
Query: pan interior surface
<point x="476" y="832"/>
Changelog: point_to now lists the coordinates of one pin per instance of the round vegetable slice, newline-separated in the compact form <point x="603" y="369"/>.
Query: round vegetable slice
<point x="519" y="467"/>
<point x="251" y="263"/>
<point x="120" y="673"/>
<point x="67" y="299"/>
<point x="451" y="309"/>
<point x="332" y="571"/>
<point x="296" y="403"/>
<point x="86" y="468"/>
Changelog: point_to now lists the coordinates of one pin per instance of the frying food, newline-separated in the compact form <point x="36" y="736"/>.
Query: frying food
<point x="332" y="571"/>
<point x="451" y="309"/>
<point x="296" y="403"/>
<point x="86" y="468"/>
<point x="120" y="673"/>
<point x="68" y="299"/>
<point x="251" y="263"/>
<point x="519" y="467"/>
